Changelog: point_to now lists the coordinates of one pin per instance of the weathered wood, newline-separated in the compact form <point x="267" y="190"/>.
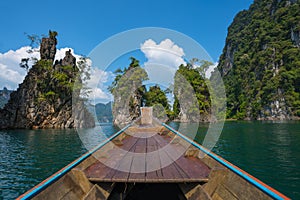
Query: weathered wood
<point x="95" y="194"/>
<point x="138" y="165"/>
<point x="191" y="152"/>
<point x="74" y="185"/>
<point x="216" y="177"/>
<point x="224" y="194"/>
<point x="152" y="155"/>
<point x="153" y="164"/>
<point x="146" y="115"/>
<point x="194" y="191"/>
<point x="149" y="153"/>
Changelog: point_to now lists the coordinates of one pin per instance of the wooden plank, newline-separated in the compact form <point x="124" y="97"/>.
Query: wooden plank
<point x="193" y="191"/>
<point x="172" y="171"/>
<point x="187" y="168"/>
<point x="194" y="168"/>
<point x="122" y="162"/>
<point x="95" y="193"/>
<point x="153" y="165"/>
<point x="122" y="172"/>
<point x="152" y="162"/>
<point x="97" y="171"/>
<point x="105" y="168"/>
<point x="162" y="140"/>
<point x="128" y="143"/>
<point x="138" y="166"/>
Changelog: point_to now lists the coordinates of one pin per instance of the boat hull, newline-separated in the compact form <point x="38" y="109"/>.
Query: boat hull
<point x="196" y="174"/>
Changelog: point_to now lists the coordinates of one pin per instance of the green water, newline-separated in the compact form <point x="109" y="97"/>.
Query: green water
<point x="270" y="151"/>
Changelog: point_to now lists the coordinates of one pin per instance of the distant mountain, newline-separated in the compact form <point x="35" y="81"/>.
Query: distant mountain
<point x="104" y="112"/>
<point x="260" y="64"/>
<point x="4" y="96"/>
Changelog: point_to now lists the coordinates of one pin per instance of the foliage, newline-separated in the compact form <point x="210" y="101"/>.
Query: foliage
<point x="56" y="84"/>
<point x="128" y="88"/>
<point x="157" y="98"/>
<point x="135" y="74"/>
<point x="24" y="63"/>
<point x="193" y="85"/>
<point x="260" y="62"/>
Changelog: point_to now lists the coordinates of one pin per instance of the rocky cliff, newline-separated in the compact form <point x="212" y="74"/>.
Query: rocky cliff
<point x="260" y="63"/>
<point x="46" y="98"/>
<point x="4" y="96"/>
<point x="128" y="91"/>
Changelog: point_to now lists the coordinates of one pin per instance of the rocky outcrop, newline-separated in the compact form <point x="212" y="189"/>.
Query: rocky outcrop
<point x="4" y="96"/>
<point x="188" y="105"/>
<point x="48" y="46"/>
<point x="260" y="61"/>
<point x="128" y="94"/>
<point x="126" y="107"/>
<point x="295" y="36"/>
<point x="46" y="98"/>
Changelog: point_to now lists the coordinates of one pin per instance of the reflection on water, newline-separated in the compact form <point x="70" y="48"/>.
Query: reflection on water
<point x="269" y="151"/>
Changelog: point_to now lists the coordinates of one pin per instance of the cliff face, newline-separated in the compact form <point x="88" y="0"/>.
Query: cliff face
<point x="4" y="96"/>
<point x="192" y="103"/>
<point x="128" y="91"/>
<point x="44" y="99"/>
<point x="260" y="63"/>
<point x="128" y="96"/>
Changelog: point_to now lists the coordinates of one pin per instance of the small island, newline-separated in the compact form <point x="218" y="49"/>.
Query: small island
<point x="46" y="97"/>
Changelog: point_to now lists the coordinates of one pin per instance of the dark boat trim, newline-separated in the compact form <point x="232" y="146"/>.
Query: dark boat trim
<point x="259" y="184"/>
<point x="44" y="184"/>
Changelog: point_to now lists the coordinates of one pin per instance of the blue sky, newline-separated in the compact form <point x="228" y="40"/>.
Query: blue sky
<point x="83" y="24"/>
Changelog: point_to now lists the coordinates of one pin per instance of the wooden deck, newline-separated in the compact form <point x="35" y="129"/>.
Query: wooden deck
<point x="147" y="161"/>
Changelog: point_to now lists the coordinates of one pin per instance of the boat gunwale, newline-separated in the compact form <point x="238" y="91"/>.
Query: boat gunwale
<point x="54" y="177"/>
<point x="248" y="177"/>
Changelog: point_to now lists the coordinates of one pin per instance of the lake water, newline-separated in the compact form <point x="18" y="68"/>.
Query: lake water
<point x="268" y="150"/>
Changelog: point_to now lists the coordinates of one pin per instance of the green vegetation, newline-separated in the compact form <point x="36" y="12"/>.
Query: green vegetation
<point x="188" y="83"/>
<point x="128" y="89"/>
<point x="133" y="76"/>
<point x="261" y="61"/>
<point x="55" y="84"/>
<point x="157" y="98"/>
<point x="194" y="84"/>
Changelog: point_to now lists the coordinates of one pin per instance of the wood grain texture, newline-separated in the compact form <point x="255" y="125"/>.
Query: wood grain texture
<point x="150" y="158"/>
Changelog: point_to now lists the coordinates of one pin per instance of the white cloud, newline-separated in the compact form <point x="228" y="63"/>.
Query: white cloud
<point x="210" y="70"/>
<point x="97" y="85"/>
<point x="98" y="94"/>
<point x="165" y="53"/>
<point x="163" y="60"/>
<point x="11" y="74"/>
<point x="60" y="54"/>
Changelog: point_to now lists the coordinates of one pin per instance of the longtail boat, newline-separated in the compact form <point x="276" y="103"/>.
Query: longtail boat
<point x="150" y="160"/>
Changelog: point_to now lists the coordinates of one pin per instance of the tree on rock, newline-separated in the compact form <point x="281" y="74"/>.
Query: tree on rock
<point x="128" y="91"/>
